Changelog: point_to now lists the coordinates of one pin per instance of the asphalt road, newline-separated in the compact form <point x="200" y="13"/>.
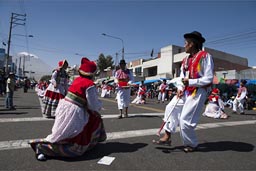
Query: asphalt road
<point x="224" y="144"/>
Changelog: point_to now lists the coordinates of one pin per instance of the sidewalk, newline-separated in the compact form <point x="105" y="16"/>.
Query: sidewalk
<point x="26" y="104"/>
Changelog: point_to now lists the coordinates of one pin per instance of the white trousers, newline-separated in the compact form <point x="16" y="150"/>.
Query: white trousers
<point x="239" y="104"/>
<point x="103" y="93"/>
<point x="123" y="98"/>
<point x="161" y="96"/>
<point x="186" y="114"/>
<point x="137" y="100"/>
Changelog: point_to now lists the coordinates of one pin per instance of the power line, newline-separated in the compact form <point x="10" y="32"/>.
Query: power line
<point x="239" y="37"/>
<point x="235" y="37"/>
<point x="221" y="36"/>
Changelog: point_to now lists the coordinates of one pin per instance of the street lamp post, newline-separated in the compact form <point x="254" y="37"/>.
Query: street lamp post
<point x="30" y="36"/>
<point x="24" y="56"/>
<point x="22" y="35"/>
<point x="114" y="37"/>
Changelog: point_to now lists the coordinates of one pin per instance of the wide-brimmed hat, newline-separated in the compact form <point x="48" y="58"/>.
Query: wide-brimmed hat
<point x="195" y="35"/>
<point x="87" y="67"/>
<point x="61" y="63"/>
<point x="122" y="61"/>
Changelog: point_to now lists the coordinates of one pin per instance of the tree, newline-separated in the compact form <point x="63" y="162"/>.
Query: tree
<point x="45" y="78"/>
<point x="251" y="88"/>
<point x="104" y="62"/>
<point x="229" y="90"/>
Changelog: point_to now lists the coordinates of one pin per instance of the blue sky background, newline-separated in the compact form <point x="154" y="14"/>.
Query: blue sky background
<point x="70" y="29"/>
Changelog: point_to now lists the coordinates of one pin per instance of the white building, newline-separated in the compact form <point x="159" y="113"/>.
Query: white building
<point x="168" y="62"/>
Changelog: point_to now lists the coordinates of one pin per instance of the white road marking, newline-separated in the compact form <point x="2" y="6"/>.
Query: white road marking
<point x="18" y="144"/>
<point x="2" y="120"/>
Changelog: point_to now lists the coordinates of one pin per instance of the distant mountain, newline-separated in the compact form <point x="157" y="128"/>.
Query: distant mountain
<point x="34" y="66"/>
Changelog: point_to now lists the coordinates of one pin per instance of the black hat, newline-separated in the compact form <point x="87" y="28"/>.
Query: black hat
<point x="243" y="81"/>
<point x="122" y="61"/>
<point x="196" y="35"/>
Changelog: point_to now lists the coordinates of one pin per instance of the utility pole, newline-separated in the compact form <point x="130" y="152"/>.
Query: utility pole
<point x="24" y="74"/>
<point x="19" y="70"/>
<point x="16" y="19"/>
<point x="116" y="63"/>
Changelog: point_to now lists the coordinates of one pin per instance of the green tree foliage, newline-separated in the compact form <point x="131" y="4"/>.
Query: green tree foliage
<point x="251" y="88"/>
<point x="104" y="62"/>
<point x="45" y="78"/>
<point x="229" y="90"/>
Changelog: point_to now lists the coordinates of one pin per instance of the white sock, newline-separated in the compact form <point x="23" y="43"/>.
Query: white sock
<point x="41" y="157"/>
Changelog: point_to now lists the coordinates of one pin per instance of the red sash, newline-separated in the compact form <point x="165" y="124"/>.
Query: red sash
<point x="123" y="77"/>
<point x="122" y="83"/>
<point x="192" y="65"/>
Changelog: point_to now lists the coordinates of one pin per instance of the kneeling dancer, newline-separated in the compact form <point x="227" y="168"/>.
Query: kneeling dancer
<point x="78" y="126"/>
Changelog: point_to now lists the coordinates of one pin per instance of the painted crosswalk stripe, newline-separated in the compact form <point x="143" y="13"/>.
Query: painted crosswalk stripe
<point x="18" y="144"/>
<point x="2" y="120"/>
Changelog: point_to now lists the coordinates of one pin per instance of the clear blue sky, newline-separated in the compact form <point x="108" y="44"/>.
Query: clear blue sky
<point x="64" y="28"/>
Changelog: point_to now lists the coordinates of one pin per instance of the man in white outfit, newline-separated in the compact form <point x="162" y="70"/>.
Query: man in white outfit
<point x="123" y="79"/>
<point x="240" y="98"/>
<point x="162" y="91"/>
<point x="197" y="76"/>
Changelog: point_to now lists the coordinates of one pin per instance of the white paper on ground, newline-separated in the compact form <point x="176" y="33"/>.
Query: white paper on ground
<point x="106" y="160"/>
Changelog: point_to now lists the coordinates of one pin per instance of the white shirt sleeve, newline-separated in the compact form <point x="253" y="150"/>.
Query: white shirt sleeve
<point x="93" y="102"/>
<point x="243" y="95"/>
<point x="115" y="78"/>
<point x="221" y="104"/>
<point x="206" y="73"/>
<point x="54" y="77"/>
<point x="131" y="78"/>
<point x="182" y="75"/>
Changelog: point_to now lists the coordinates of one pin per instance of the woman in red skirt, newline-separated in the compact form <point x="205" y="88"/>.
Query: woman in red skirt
<point x="78" y="126"/>
<point x="56" y="90"/>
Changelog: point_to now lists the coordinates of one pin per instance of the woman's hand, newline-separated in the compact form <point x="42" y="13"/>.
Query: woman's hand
<point x="180" y="93"/>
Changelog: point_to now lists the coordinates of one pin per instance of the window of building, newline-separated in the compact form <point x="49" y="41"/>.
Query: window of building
<point x="138" y="71"/>
<point x="152" y="71"/>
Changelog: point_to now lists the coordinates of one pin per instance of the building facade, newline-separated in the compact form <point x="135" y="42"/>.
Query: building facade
<point x="168" y="62"/>
<point x="3" y="58"/>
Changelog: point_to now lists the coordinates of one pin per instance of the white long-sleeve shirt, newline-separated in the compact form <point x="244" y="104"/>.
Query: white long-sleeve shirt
<point x="206" y="73"/>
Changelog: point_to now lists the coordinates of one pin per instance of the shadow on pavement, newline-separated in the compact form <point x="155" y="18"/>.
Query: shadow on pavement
<point x="215" y="146"/>
<point x="105" y="149"/>
<point x="144" y="116"/>
<point x="225" y="146"/>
